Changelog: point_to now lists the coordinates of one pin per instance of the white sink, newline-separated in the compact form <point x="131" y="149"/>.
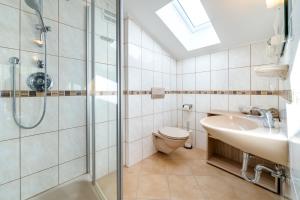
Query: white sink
<point x="249" y="136"/>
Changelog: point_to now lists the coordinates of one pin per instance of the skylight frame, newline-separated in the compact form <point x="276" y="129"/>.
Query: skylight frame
<point x="191" y="38"/>
<point x="185" y="16"/>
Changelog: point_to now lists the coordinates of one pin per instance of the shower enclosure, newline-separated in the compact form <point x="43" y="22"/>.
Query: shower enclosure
<point x="105" y="97"/>
<point x="60" y="99"/>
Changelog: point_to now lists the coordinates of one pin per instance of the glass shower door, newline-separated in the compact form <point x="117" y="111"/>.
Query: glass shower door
<point x="104" y="104"/>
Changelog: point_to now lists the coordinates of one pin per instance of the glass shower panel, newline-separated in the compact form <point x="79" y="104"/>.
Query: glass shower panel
<point x="104" y="97"/>
<point x="78" y="136"/>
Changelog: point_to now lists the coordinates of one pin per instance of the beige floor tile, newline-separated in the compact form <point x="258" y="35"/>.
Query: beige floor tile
<point x="185" y="187"/>
<point x="185" y="175"/>
<point x="160" y="156"/>
<point x="130" y="185"/>
<point x="216" y="187"/>
<point x="154" y="166"/>
<point x="133" y="169"/>
<point x="178" y="167"/>
<point x="153" y="187"/>
<point x="188" y="154"/>
<point x="201" y="168"/>
<point x="248" y="191"/>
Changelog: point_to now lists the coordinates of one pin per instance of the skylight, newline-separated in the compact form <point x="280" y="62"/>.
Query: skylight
<point x="189" y="22"/>
<point x="194" y="11"/>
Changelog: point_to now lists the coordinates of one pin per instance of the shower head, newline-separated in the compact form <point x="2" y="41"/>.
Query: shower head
<point x="35" y="5"/>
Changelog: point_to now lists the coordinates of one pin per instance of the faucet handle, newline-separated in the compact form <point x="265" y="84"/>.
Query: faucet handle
<point x="266" y="115"/>
<point x="275" y="112"/>
<point x="257" y="111"/>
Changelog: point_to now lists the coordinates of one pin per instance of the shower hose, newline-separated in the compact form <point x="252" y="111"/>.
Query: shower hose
<point x="14" y="62"/>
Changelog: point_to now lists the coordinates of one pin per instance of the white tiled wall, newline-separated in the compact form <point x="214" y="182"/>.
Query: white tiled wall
<point x="35" y="160"/>
<point x="225" y="70"/>
<point x="147" y="65"/>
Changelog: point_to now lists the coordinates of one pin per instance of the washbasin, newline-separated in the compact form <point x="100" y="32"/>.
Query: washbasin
<point x="249" y="136"/>
<point x="231" y="122"/>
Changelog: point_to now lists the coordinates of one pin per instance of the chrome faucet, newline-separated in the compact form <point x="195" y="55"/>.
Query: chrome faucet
<point x="266" y="116"/>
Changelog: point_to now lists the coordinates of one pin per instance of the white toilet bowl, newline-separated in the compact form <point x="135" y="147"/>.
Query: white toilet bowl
<point x="168" y="139"/>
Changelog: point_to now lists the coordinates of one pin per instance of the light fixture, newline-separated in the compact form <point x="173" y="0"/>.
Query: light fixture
<point x="274" y="3"/>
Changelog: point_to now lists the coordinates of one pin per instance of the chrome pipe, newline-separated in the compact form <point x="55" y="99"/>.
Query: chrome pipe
<point x="278" y="173"/>
<point x="255" y="179"/>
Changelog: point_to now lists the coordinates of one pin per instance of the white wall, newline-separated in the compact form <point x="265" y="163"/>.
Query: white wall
<point x="223" y="72"/>
<point x="147" y="65"/>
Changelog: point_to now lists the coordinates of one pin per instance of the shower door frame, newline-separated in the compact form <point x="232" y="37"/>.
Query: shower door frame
<point x="119" y="28"/>
<point x="90" y="12"/>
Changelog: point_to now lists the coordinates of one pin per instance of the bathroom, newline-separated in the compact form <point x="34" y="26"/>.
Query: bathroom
<point x="140" y="100"/>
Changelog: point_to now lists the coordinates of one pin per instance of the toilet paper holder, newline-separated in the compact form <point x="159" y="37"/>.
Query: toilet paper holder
<point x="187" y="107"/>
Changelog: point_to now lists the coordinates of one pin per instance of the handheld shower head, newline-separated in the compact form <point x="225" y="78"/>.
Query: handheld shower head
<point x="35" y="5"/>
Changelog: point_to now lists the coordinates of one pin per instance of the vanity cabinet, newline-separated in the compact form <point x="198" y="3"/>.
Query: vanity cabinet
<point x="230" y="159"/>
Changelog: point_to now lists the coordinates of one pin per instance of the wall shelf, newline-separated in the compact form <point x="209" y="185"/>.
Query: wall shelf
<point x="280" y="71"/>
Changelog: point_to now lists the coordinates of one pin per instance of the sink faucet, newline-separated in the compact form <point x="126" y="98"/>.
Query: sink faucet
<point x="266" y="116"/>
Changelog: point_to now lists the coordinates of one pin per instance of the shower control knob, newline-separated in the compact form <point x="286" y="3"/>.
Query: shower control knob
<point x="14" y="60"/>
<point x="40" y="64"/>
<point x="36" y="81"/>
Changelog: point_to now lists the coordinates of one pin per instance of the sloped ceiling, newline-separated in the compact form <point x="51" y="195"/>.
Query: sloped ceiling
<point x="237" y="22"/>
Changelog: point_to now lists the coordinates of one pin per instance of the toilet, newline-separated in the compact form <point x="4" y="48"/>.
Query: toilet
<point x="168" y="139"/>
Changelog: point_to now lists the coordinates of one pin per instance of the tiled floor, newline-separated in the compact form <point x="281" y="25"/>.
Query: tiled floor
<point x="184" y="175"/>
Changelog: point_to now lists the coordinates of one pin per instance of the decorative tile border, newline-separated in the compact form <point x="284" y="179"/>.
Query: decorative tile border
<point x="286" y="94"/>
<point x="105" y="93"/>
<point x="52" y="93"/>
<point x="229" y="92"/>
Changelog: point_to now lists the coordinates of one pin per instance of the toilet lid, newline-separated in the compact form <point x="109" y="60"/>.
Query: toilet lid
<point x="174" y="133"/>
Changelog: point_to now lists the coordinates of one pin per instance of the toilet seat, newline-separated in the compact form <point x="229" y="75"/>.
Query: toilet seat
<point x="174" y="133"/>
